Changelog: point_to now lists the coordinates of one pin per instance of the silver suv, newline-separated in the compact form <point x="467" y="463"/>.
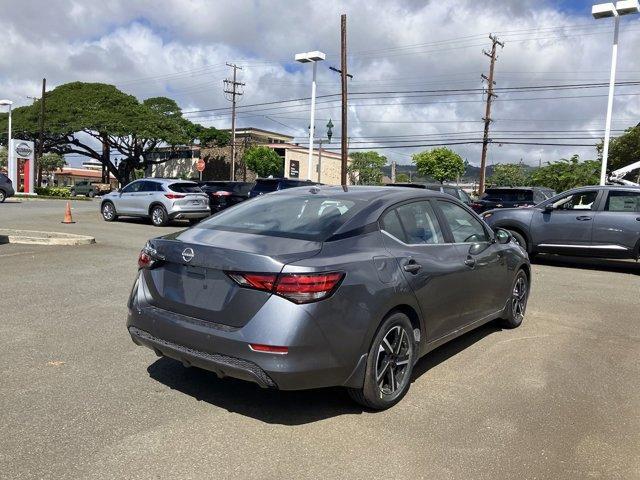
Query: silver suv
<point x="159" y="199"/>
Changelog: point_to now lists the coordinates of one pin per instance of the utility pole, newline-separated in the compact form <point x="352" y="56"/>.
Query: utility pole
<point x="487" y="115"/>
<point x="41" y="133"/>
<point x="343" y="79"/>
<point x="231" y="88"/>
<point x="393" y="171"/>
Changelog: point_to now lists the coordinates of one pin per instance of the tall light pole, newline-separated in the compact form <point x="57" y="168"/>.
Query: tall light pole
<point x="606" y="10"/>
<point x="313" y="57"/>
<point x="10" y="167"/>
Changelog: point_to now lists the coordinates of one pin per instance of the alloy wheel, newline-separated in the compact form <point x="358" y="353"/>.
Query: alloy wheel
<point x="519" y="298"/>
<point x="108" y="211"/>
<point x="157" y="216"/>
<point x="392" y="363"/>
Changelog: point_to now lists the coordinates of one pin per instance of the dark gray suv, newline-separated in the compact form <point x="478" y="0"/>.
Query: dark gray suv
<point x="323" y="286"/>
<point x="589" y="221"/>
<point x="6" y="188"/>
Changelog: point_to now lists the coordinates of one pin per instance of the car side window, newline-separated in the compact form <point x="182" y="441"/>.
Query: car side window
<point x="464" y="226"/>
<point x="416" y="224"/>
<point x="623" y="201"/>
<point x="391" y="224"/>
<point x="577" y="201"/>
<point x="451" y="191"/>
<point x="132" y="187"/>
<point x="152" y="187"/>
<point x="464" y="196"/>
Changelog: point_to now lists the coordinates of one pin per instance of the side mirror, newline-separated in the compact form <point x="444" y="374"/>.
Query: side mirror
<point x="548" y="208"/>
<point x="502" y="236"/>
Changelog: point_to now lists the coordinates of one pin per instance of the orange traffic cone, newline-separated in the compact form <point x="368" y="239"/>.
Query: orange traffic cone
<point x="67" y="215"/>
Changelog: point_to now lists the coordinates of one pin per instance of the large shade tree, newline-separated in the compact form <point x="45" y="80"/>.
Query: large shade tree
<point x="441" y="164"/>
<point x="365" y="168"/>
<point x="95" y="119"/>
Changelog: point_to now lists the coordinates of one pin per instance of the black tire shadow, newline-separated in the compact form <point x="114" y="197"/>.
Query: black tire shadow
<point x="587" y="263"/>
<point x="146" y="221"/>
<point x="287" y="407"/>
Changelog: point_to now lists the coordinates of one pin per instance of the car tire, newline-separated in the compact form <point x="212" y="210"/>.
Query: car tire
<point x="159" y="216"/>
<point x="518" y="297"/>
<point x="91" y="194"/>
<point x="3" y="196"/>
<point x="519" y="238"/>
<point x="394" y="343"/>
<point x="108" y="211"/>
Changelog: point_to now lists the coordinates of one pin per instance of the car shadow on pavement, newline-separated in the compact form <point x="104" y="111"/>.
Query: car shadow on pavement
<point x="586" y="263"/>
<point x="287" y="407"/>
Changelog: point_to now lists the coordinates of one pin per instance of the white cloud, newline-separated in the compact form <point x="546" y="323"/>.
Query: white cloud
<point x="146" y="46"/>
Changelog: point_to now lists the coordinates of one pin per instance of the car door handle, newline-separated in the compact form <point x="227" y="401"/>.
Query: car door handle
<point x="638" y="219"/>
<point x="411" y="266"/>
<point x="583" y="218"/>
<point x="470" y="262"/>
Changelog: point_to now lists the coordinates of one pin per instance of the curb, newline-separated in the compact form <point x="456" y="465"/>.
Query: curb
<point x="31" y="237"/>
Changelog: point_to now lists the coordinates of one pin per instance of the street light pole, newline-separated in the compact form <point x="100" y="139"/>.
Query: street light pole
<point x="311" y="57"/>
<point x="607" y="10"/>
<point x="10" y="167"/>
<point x="612" y="83"/>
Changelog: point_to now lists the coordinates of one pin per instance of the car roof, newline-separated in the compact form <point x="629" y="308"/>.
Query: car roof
<point x="166" y="181"/>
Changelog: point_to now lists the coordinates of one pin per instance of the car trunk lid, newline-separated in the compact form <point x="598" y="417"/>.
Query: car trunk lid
<point x="191" y="279"/>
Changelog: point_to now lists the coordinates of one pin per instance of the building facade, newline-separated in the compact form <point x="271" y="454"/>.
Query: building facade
<point x="181" y="163"/>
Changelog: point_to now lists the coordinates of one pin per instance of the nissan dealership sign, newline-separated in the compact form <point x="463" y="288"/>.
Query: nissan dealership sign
<point x="24" y="150"/>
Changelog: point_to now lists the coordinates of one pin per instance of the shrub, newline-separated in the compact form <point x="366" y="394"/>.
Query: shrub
<point x="53" y="191"/>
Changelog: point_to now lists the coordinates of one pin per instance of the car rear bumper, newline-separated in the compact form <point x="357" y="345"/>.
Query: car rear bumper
<point x="309" y="363"/>
<point x="186" y="214"/>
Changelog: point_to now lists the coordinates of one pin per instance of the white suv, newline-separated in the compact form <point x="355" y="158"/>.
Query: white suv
<point x="159" y="199"/>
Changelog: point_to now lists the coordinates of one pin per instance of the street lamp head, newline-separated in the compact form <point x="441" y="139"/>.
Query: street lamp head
<point x="308" y="57"/>
<point x="626" y="7"/>
<point x="6" y="102"/>
<point x="604" y="10"/>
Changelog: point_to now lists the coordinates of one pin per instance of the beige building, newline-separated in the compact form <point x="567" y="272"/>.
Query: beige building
<point x="181" y="163"/>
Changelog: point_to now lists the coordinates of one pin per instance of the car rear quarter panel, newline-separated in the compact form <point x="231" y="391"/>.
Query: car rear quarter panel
<point x="373" y="286"/>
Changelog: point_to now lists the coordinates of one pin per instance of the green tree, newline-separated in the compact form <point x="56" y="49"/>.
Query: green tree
<point x="623" y="150"/>
<point x="263" y="161"/>
<point x="508" y="175"/>
<point x="3" y="158"/>
<point x="365" y="168"/>
<point x="565" y="174"/>
<point x="76" y="112"/>
<point x="50" y="162"/>
<point x="441" y="164"/>
<point x="402" y="178"/>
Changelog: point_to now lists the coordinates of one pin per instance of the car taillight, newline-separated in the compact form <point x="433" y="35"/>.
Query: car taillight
<point x="172" y="196"/>
<point x="221" y="193"/>
<point x="148" y="257"/>
<point x="296" y="287"/>
<point x="258" y="347"/>
<point x="476" y="206"/>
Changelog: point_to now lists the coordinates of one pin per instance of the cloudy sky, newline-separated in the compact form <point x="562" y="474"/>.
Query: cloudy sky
<point x="420" y="50"/>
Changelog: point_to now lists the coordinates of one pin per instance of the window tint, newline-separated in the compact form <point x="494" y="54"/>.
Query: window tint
<point x="185" y="188"/>
<point x="577" y="201"/>
<point x="153" y="187"/>
<point x="419" y="223"/>
<point x="451" y="191"/>
<point x="266" y="186"/>
<point x="132" y="187"/>
<point x="307" y="217"/>
<point x="622" y="201"/>
<point x="464" y="196"/>
<point x="464" y="226"/>
<point x="391" y="225"/>
<point x="508" y="195"/>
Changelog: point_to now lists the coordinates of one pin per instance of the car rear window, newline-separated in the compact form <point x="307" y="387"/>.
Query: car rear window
<point x="508" y="195"/>
<point x="305" y="217"/>
<point x="185" y="188"/>
<point x="266" y="186"/>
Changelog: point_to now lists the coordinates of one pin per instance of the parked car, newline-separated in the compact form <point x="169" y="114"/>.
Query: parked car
<point x="6" y="188"/>
<point x="598" y="221"/>
<point x="325" y="286"/>
<point x="223" y="194"/>
<point x="508" y="197"/>
<point x="268" y="185"/>
<point x="90" y="189"/>
<point x="453" y="190"/>
<point x="159" y="199"/>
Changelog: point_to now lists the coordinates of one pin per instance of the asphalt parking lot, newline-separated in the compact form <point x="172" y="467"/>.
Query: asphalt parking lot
<point x="558" y="397"/>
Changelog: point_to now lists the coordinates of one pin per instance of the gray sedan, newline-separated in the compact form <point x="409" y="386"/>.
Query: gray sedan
<point x="323" y="286"/>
